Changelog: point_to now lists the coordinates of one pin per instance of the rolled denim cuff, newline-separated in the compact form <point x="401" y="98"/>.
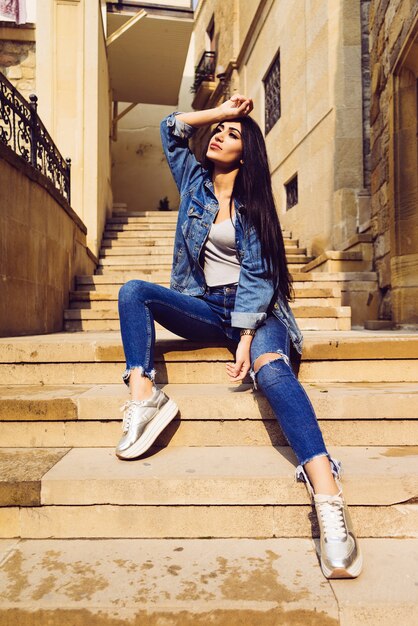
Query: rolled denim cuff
<point x="247" y="320"/>
<point x="178" y="127"/>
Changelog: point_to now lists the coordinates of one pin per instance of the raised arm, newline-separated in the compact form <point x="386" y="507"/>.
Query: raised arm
<point x="235" y="106"/>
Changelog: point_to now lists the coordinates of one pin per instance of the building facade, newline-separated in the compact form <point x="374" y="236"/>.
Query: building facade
<point x="302" y="64"/>
<point x="394" y="137"/>
<point x="335" y="92"/>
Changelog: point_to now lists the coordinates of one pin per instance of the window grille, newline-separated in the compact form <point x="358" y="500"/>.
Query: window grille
<point x="272" y="94"/>
<point x="291" y="192"/>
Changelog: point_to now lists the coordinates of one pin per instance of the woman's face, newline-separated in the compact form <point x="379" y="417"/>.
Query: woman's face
<point x="225" y="146"/>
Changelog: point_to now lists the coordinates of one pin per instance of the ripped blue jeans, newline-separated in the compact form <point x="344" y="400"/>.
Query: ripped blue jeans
<point x="207" y="319"/>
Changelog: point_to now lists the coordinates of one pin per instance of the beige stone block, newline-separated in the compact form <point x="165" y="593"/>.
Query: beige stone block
<point x="194" y="372"/>
<point x="28" y="73"/>
<point x="404" y="270"/>
<point x="369" y="432"/>
<point x="364" y="305"/>
<point x="324" y="324"/>
<point x="378" y="371"/>
<point x="404" y="305"/>
<point x="30" y="60"/>
<point x="84" y="373"/>
<point x="147" y="521"/>
<point x="10" y="522"/>
<point x="6" y="546"/>
<point x="56" y="348"/>
<point x="385" y="593"/>
<point x="21" y="473"/>
<point x="25" y="86"/>
<point x="372" y="346"/>
<point x="213" y="402"/>
<point x="223" y="475"/>
<point x="107" y="521"/>
<point x="348" y="151"/>
<point x="172" y="581"/>
<point x="35" y="435"/>
<point x="236" y="432"/>
<point x="136" y="251"/>
<point x="384" y="272"/>
<point x="14" y="72"/>
<point x="107" y="347"/>
<point x="87" y="434"/>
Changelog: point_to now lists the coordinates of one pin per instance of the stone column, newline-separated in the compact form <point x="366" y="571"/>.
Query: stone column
<point x="345" y="36"/>
<point x="74" y="102"/>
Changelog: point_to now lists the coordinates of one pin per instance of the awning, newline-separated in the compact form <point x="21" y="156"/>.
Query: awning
<point x="146" y="61"/>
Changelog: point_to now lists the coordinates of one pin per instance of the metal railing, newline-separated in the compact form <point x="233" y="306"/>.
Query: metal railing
<point x="22" y="131"/>
<point x="205" y="70"/>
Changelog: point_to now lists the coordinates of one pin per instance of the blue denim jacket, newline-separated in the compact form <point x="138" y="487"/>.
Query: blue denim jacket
<point x="198" y="207"/>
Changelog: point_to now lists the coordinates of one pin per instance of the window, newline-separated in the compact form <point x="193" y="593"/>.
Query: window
<point x="291" y="192"/>
<point x="210" y="36"/>
<point x="272" y="94"/>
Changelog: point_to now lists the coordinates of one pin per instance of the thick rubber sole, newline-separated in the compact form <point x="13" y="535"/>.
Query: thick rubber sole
<point x="350" y="572"/>
<point x="151" y="432"/>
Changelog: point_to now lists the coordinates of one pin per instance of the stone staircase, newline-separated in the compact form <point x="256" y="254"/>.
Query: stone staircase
<point x="140" y="245"/>
<point x="209" y="527"/>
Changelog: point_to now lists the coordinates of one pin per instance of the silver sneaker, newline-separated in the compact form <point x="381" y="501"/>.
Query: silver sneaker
<point x="340" y="553"/>
<point x="143" y="421"/>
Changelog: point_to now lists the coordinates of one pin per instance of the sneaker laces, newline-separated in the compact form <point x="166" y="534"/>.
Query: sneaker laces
<point x="129" y="411"/>
<point x="332" y="517"/>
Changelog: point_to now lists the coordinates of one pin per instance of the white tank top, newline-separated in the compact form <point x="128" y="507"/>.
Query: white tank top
<point x="221" y="266"/>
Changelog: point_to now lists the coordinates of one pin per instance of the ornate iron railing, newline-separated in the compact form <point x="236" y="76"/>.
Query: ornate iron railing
<point x="23" y="132"/>
<point x="205" y="70"/>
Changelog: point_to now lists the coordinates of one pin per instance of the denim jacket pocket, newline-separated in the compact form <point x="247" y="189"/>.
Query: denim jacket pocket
<point x="193" y="221"/>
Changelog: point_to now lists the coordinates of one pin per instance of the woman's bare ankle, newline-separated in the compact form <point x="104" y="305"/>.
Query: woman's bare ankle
<point x="321" y="477"/>
<point x="140" y="386"/>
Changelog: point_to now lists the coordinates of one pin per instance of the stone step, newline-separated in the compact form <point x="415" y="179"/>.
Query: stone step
<point x="318" y="346"/>
<point x="300" y="312"/>
<point x="89" y="416"/>
<point x="149" y="240"/>
<point x="329" y="307"/>
<point x="320" y="279"/>
<point x="121" y="276"/>
<point x="98" y="301"/>
<point x="339" y="261"/>
<point x="158" y="218"/>
<point x="138" y="248"/>
<point x="112" y="237"/>
<point x="150" y="214"/>
<point x="246" y="491"/>
<point x="256" y="582"/>
<point x="210" y="372"/>
<point x="136" y="251"/>
<point x="143" y="226"/>
<point x="164" y="259"/>
<point x="110" y="292"/>
<point x="301" y="279"/>
<point x="209" y="402"/>
<point x="106" y="433"/>
<point x="97" y="358"/>
<point x="142" y="236"/>
<point x="308" y="323"/>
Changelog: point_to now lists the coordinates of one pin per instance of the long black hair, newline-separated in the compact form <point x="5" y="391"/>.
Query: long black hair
<point x="252" y="187"/>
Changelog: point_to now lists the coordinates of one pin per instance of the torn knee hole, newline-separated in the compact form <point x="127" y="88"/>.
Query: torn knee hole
<point x="266" y="358"/>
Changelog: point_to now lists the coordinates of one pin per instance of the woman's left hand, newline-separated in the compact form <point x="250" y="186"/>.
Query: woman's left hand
<point x="236" y="106"/>
<point x="238" y="370"/>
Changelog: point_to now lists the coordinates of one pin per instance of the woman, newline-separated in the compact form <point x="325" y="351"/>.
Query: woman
<point x="230" y="279"/>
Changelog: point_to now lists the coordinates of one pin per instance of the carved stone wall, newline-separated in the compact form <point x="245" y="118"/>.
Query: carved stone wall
<point x="17" y="56"/>
<point x="393" y="113"/>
